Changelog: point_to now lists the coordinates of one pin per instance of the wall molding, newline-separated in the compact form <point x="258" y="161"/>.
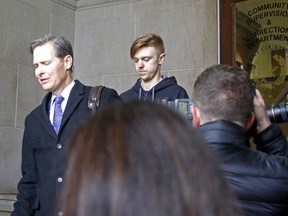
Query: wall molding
<point x="77" y="5"/>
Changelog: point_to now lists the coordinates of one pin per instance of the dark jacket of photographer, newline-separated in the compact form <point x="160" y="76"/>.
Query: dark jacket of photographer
<point x="166" y="88"/>
<point x="259" y="177"/>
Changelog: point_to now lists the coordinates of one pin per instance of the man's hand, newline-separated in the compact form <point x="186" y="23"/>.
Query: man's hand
<point x="261" y="116"/>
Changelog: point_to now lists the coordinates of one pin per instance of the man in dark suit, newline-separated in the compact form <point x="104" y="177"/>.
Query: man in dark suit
<point x="44" y="146"/>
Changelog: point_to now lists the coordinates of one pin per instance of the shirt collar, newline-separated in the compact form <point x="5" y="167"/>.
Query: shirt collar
<point x="65" y="93"/>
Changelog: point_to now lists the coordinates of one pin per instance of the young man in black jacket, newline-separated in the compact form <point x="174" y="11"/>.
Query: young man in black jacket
<point x="225" y="106"/>
<point x="148" y="54"/>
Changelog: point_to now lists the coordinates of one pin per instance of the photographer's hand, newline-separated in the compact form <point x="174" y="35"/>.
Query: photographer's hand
<point x="261" y="116"/>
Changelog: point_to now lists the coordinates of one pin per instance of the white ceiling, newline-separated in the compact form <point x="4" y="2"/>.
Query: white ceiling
<point x="83" y="4"/>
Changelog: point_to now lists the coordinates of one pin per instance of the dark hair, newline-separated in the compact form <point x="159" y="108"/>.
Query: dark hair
<point x="145" y="41"/>
<point x="61" y="45"/>
<point x="141" y="158"/>
<point x="224" y="92"/>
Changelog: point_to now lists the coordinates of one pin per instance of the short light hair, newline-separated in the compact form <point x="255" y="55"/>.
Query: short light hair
<point x="146" y="41"/>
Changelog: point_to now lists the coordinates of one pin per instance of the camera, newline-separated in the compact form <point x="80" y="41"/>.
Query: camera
<point x="278" y="113"/>
<point x="182" y="105"/>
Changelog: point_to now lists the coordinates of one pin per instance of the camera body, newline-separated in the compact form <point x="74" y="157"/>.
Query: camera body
<point x="277" y="113"/>
<point x="183" y="105"/>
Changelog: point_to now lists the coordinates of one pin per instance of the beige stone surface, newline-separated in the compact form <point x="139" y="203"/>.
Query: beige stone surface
<point x="101" y="35"/>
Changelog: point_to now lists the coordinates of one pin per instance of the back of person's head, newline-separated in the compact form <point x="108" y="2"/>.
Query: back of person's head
<point x="147" y="40"/>
<point x="224" y="92"/>
<point x="61" y="45"/>
<point x="140" y="158"/>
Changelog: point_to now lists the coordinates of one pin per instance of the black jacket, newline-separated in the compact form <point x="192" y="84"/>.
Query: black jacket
<point x="259" y="177"/>
<point x="167" y="88"/>
<point x="44" y="153"/>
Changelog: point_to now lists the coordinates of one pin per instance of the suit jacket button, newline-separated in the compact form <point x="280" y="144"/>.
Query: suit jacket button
<point x="59" y="146"/>
<point x="59" y="179"/>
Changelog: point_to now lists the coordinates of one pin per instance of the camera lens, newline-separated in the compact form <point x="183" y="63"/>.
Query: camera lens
<point x="278" y="113"/>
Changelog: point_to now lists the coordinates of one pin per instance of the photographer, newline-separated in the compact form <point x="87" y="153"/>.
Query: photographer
<point x="223" y="104"/>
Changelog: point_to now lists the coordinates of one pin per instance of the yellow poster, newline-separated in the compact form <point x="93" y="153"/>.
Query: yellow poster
<point x="262" y="48"/>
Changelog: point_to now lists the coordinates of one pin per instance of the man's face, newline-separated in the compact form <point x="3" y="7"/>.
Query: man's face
<point x="147" y="62"/>
<point x="51" y="72"/>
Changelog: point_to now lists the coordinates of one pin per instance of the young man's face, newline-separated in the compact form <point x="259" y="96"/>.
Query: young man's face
<point x="51" y="72"/>
<point x="147" y="62"/>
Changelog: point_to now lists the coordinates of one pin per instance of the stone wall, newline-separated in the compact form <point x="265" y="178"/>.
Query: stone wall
<point x="22" y="21"/>
<point x="101" y="35"/>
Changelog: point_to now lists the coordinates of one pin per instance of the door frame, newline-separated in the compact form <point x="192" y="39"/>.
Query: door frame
<point x="227" y="37"/>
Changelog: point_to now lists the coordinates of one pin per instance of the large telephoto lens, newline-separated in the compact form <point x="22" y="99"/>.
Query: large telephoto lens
<point x="278" y="113"/>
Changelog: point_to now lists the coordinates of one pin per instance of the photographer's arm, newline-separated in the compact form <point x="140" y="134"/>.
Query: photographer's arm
<point x="269" y="137"/>
<point x="261" y="116"/>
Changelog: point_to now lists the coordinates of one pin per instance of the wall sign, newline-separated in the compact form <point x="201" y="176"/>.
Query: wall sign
<point x="262" y="45"/>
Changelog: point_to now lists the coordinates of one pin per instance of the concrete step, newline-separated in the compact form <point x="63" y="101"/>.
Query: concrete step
<point x="6" y="203"/>
<point x="5" y="213"/>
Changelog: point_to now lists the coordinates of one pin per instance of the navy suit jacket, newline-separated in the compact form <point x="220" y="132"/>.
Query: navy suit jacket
<point x="44" y="153"/>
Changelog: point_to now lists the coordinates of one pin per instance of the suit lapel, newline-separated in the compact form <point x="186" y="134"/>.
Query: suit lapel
<point x="75" y="97"/>
<point x="43" y="115"/>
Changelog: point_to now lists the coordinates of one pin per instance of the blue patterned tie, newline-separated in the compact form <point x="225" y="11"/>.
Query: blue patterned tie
<point x="58" y="113"/>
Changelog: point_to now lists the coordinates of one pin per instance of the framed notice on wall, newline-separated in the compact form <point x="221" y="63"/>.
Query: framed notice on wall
<point x="262" y="45"/>
<point x="254" y="36"/>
